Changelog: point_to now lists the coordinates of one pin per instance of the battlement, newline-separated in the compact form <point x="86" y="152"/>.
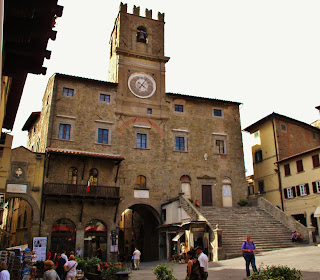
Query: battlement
<point x="136" y="11"/>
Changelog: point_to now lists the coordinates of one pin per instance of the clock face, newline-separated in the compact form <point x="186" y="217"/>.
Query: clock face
<point x="142" y="85"/>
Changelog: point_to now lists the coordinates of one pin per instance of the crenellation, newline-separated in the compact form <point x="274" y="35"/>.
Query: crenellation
<point x="136" y="10"/>
<point x="160" y="16"/>
<point x="148" y="13"/>
<point x="123" y="8"/>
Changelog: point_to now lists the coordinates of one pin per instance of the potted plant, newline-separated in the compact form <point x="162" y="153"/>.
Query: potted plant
<point x="163" y="272"/>
<point x="242" y="202"/>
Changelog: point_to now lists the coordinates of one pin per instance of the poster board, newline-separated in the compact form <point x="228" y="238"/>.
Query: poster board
<point x="40" y="247"/>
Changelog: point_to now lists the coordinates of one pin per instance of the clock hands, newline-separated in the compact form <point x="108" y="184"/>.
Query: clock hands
<point x="141" y="84"/>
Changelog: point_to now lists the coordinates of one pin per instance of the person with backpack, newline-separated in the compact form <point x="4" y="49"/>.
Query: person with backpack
<point x="193" y="267"/>
<point x="248" y="249"/>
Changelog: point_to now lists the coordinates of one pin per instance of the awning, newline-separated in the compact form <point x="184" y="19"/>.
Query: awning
<point x="317" y="212"/>
<point x="177" y="237"/>
<point x="21" y="247"/>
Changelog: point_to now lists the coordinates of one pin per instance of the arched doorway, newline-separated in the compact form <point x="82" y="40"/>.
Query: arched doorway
<point x="138" y="228"/>
<point x="226" y="193"/>
<point x="95" y="240"/>
<point x="186" y="186"/>
<point x="63" y="236"/>
<point x="17" y="222"/>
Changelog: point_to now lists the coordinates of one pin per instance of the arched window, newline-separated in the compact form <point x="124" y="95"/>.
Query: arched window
<point x="186" y="185"/>
<point x="95" y="240"/>
<point x="141" y="182"/>
<point x="63" y="236"/>
<point x="93" y="177"/>
<point x="73" y="175"/>
<point x="142" y="34"/>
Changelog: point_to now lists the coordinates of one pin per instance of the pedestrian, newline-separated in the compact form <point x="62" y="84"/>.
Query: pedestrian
<point x="71" y="268"/>
<point x="63" y="255"/>
<point x="136" y="258"/>
<point x="50" y="273"/>
<point x="48" y="255"/>
<point x="60" y="266"/>
<point x="248" y="249"/>
<point x="193" y="267"/>
<point x="4" y="274"/>
<point x="79" y="252"/>
<point x="203" y="261"/>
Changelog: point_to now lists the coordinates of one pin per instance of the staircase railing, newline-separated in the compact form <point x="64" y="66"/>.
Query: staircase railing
<point x="217" y="250"/>
<point x="283" y="218"/>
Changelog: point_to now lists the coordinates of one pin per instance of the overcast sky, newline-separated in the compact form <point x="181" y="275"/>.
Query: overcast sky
<point x="264" y="54"/>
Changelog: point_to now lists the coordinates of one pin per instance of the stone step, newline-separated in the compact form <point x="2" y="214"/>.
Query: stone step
<point x="236" y="222"/>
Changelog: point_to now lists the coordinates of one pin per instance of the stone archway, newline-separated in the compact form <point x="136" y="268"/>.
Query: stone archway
<point x="138" y="226"/>
<point x="35" y="228"/>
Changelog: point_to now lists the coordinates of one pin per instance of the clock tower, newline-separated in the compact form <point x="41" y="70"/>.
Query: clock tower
<point x="137" y="64"/>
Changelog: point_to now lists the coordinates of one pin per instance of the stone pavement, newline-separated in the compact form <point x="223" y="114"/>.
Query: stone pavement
<point x="304" y="258"/>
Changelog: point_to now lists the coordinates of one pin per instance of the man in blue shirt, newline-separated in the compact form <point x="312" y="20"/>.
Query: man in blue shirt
<point x="248" y="249"/>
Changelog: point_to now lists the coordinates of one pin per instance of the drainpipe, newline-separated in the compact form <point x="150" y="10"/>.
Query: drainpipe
<point x="278" y="168"/>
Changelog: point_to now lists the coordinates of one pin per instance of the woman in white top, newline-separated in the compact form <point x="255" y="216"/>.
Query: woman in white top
<point x="70" y="268"/>
<point x="4" y="274"/>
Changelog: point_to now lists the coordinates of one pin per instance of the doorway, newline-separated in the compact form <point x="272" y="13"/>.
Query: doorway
<point x="206" y="195"/>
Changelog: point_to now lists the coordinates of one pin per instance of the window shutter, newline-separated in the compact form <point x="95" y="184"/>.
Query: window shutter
<point x="298" y="190"/>
<point x="294" y="191"/>
<point x="285" y="193"/>
<point x="314" y="187"/>
<point x="307" y="188"/>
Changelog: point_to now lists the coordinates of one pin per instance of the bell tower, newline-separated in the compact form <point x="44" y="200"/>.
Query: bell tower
<point x="137" y="63"/>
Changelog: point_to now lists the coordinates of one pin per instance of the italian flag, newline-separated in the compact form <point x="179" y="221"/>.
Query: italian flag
<point x="88" y="186"/>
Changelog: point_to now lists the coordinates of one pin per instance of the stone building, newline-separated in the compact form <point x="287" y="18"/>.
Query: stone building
<point x="128" y="144"/>
<point x="277" y="137"/>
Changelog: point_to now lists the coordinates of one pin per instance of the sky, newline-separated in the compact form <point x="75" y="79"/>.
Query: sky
<point x="263" y="54"/>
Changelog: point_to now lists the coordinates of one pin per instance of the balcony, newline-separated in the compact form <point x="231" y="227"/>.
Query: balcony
<point x="55" y="190"/>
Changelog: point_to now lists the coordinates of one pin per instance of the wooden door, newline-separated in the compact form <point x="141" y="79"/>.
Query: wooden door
<point x="206" y="195"/>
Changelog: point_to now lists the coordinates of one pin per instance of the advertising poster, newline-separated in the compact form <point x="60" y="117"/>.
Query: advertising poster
<point x="40" y="247"/>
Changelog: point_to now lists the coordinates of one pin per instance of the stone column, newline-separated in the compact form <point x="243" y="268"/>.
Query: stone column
<point x="311" y="230"/>
<point x="80" y="240"/>
<point x="218" y="250"/>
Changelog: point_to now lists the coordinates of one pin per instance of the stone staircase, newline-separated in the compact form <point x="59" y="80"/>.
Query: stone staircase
<point x="238" y="222"/>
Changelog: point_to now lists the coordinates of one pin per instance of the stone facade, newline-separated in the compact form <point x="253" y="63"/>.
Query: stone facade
<point x="180" y="135"/>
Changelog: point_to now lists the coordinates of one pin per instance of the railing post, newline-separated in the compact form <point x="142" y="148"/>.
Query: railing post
<point x="218" y="250"/>
<point x="311" y="230"/>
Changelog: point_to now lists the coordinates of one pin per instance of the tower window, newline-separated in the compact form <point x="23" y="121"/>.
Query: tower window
<point x="141" y="34"/>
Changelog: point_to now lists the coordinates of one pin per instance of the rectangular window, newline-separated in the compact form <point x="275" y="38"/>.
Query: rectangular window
<point x="105" y="97"/>
<point x="178" y="108"/>
<point x="299" y="165"/>
<point x="287" y="171"/>
<point x="261" y="187"/>
<point x="141" y="140"/>
<point x="103" y="136"/>
<point x="303" y="190"/>
<point x="289" y="193"/>
<point x="315" y="161"/>
<point x="220" y="147"/>
<point x="217" y="113"/>
<point x="258" y="156"/>
<point x="180" y="144"/>
<point x="318" y="186"/>
<point x="64" y="131"/>
<point x="68" y="91"/>
<point x="149" y="111"/>
<point x="283" y="127"/>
